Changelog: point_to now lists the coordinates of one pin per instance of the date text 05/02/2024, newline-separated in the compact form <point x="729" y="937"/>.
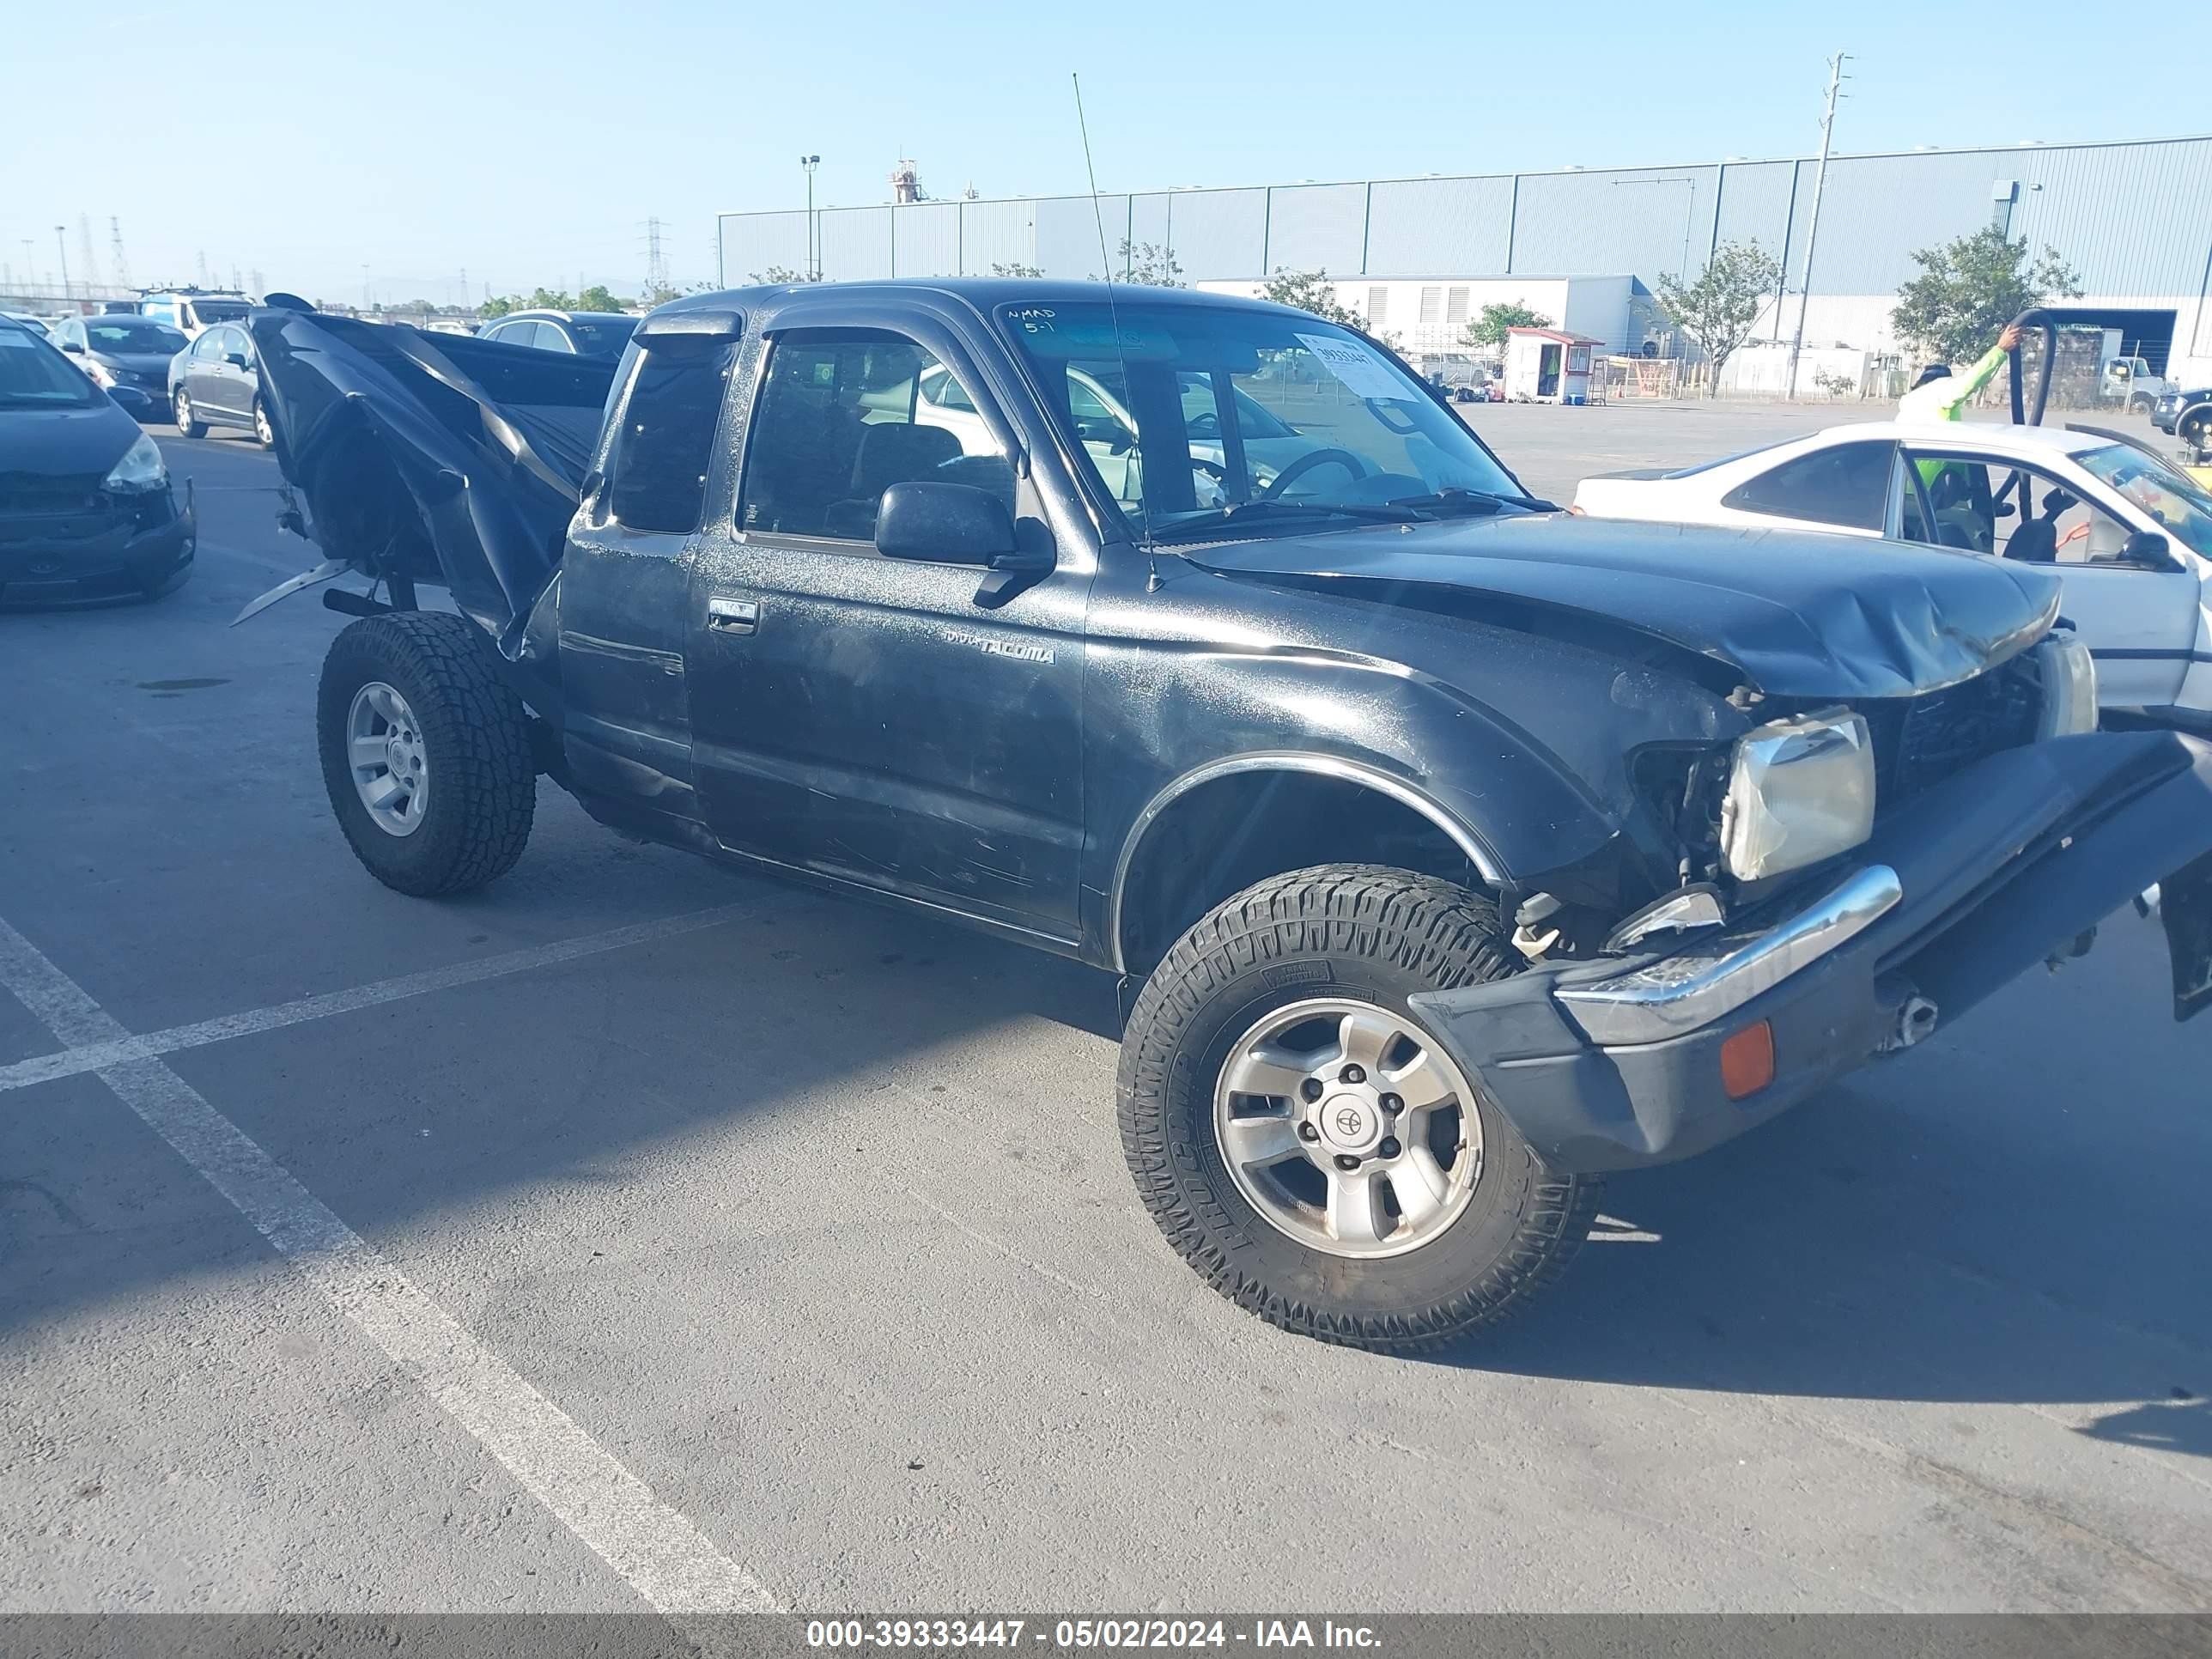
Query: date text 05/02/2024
<point x="1085" y="1633"/>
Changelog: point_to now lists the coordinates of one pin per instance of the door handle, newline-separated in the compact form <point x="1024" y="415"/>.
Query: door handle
<point x="732" y="615"/>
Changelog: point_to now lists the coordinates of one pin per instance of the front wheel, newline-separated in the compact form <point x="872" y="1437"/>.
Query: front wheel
<point x="262" y="432"/>
<point x="426" y="752"/>
<point x="1306" y="1143"/>
<point x="188" y="423"/>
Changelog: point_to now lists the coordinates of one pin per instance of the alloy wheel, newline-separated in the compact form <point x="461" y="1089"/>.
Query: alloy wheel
<point x="384" y="754"/>
<point x="1347" y="1127"/>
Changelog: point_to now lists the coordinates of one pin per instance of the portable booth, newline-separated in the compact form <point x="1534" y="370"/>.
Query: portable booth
<point x="1547" y="366"/>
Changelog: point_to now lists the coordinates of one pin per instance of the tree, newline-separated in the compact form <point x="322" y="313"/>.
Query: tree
<point x="1015" y="268"/>
<point x="1718" y="309"/>
<point x="780" y="276"/>
<point x="1311" y="291"/>
<point x="497" y="306"/>
<point x="1489" y="329"/>
<point x="1150" y="264"/>
<point x="595" y="298"/>
<point x="1968" y="290"/>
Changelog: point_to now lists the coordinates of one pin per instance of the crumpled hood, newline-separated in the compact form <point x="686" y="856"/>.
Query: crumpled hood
<point x="1799" y="615"/>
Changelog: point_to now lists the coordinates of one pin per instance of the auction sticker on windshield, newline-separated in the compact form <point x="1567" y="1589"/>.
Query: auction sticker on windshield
<point x="1364" y="373"/>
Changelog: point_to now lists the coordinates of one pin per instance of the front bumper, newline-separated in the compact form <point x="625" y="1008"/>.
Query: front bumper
<point x="125" y="558"/>
<point x="1615" y="1064"/>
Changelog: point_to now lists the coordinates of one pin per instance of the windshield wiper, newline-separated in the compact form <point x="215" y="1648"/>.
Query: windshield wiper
<point x="1246" y="513"/>
<point x="1465" y="501"/>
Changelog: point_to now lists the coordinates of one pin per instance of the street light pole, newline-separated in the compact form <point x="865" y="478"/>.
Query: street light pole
<point x="807" y="164"/>
<point x="1836" y="79"/>
<point x="61" y="247"/>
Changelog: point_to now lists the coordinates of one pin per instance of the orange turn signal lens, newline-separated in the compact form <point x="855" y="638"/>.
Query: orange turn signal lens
<point x="1748" y="1061"/>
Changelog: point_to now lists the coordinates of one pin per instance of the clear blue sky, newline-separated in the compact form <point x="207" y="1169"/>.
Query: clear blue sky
<point x="529" y="143"/>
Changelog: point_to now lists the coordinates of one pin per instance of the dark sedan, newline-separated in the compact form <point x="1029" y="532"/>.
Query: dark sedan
<point x="218" y="383"/>
<point x="123" y="352"/>
<point x="87" y="510"/>
<point x="2167" y="410"/>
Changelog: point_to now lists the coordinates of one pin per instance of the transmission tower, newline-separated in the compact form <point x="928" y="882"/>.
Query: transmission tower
<point x="656" y="263"/>
<point x="122" y="266"/>
<point x="205" y="280"/>
<point x="84" y="253"/>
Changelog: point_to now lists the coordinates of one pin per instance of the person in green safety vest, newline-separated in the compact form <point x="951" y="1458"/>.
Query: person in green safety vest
<point x="1940" y="395"/>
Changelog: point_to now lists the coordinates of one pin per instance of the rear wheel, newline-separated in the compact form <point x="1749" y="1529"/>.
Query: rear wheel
<point x="426" y="753"/>
<point x="1304" y="1141"/>
<point x="262" y="429"/>
<point x="188" y="423"/>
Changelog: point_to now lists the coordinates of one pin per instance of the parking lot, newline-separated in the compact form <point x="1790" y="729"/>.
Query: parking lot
<point x="640" y="1234"/>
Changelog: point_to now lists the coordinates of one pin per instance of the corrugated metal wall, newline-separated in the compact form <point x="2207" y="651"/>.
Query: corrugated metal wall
<point x="2135" y="220"/>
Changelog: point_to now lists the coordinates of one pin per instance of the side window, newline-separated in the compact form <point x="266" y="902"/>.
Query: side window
<point x="552" y="336"/>
<point x="842" y="417"/>
<point x="657" y="471"/>
<point x="514" y="334"/>
<point x="1846" y="485"/>
<point x="1986" y="505"/>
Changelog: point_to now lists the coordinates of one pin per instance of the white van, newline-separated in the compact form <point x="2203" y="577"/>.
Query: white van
<point x="193" y="311"/>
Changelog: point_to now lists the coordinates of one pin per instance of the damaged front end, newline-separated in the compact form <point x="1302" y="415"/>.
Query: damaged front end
<point x="1677" y="1036"/>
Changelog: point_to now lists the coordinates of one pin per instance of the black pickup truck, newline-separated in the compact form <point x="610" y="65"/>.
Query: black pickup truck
<point x="1453" y="851"/>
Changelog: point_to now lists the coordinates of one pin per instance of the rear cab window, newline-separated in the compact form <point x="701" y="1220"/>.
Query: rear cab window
<point x="658" y="462"/>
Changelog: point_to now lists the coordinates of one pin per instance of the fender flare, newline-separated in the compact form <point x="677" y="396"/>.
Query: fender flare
<point x="1469" y="842"/>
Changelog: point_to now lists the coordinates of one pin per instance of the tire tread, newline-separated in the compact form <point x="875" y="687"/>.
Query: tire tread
<point x="1447" y="935"/>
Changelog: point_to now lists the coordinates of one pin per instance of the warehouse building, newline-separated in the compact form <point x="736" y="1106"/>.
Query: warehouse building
<point x="2134" y="220"/>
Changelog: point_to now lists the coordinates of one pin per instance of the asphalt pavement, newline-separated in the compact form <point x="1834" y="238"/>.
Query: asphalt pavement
<point x="638" y="1235"/>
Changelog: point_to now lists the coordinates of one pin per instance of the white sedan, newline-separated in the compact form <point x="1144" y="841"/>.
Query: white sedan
<point x="2129" y="534"/>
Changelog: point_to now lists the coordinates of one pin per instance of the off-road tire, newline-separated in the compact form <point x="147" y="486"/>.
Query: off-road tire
<point x="180" y="410"/>
<point x="476" y="735"/>
<point x="1356" y="931"/>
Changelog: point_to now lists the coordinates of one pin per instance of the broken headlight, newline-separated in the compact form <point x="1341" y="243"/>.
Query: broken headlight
<point x="2069" y="687"/>
<point x="1799" y="791"/>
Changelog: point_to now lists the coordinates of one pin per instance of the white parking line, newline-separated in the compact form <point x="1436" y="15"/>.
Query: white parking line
<point x="93" y="1054"/>
<point x="668" y="1561"/>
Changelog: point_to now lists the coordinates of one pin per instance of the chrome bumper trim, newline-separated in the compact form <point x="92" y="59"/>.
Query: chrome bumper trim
<point x="1688" y="992"/>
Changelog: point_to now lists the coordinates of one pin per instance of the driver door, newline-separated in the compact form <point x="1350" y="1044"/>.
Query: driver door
<point x="2138" y="617"/>
<point x="869" y="718"/>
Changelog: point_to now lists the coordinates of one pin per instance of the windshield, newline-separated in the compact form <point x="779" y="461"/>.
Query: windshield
<point x="1206" y="416"/>
<point x="144" y="337"/>
<point x="603" y="337"/>
<point x="2182" y="506"/>
<point x="220" y="311"/>
<point x="33" y="375"/>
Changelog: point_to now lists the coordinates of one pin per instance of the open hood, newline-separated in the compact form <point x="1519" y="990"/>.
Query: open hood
<point x="1797" y="615"/>
<point x="432" y="458"/>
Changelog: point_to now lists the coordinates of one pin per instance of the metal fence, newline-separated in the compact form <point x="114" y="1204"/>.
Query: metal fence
<point x="2134" y="219"/>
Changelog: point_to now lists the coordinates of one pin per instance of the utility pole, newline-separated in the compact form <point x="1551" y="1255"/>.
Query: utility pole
<point x="1836" y="79"/>
<point x="807" y="164"/>
<point x="61" y="247"/>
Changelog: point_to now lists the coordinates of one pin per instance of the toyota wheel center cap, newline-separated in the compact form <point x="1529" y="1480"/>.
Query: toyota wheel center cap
<point x="1349" y="1123"/>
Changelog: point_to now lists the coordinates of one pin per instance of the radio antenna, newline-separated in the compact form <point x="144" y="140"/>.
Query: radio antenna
<point x="1114" y="318"/>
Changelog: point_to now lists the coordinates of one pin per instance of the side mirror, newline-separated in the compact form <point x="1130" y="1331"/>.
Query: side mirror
<point x="2148" y="550"/>
<point x="71" y="345"/>
<point x="944" y="523"/>
<point x="235" y="359"/>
